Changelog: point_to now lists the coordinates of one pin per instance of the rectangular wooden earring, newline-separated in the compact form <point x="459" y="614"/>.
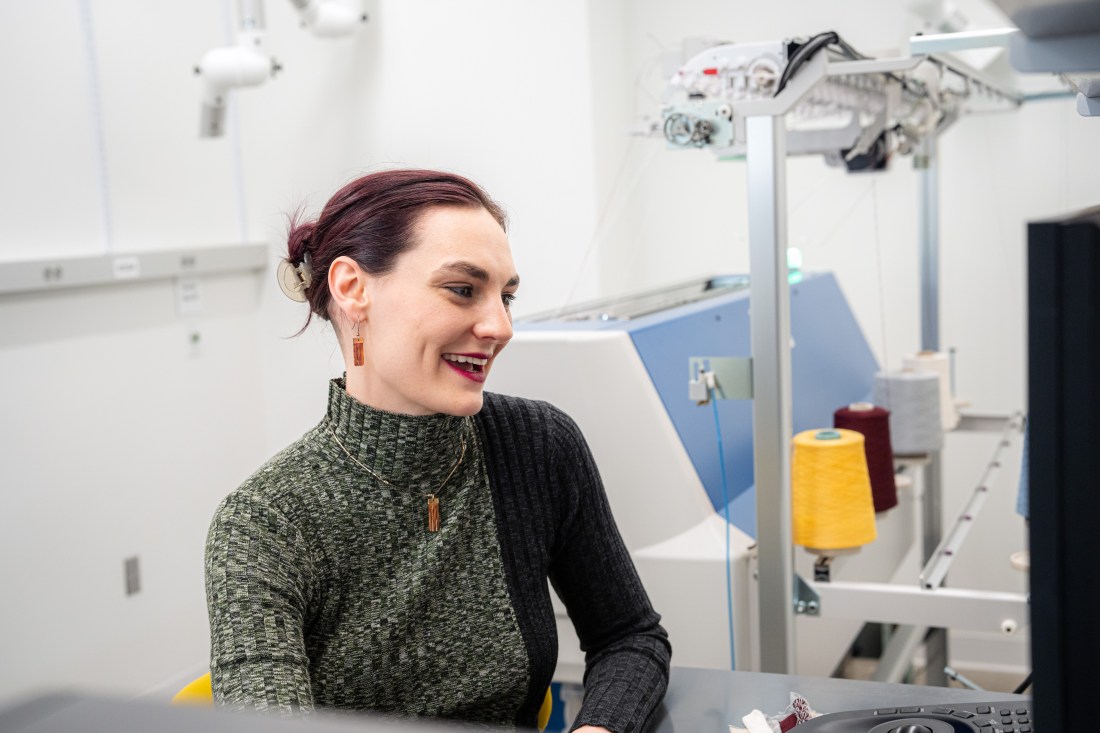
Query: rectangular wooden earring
<point x="357" y="347"/>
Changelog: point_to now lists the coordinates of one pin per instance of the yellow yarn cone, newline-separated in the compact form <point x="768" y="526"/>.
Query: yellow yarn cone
<point x="832" y="504"/>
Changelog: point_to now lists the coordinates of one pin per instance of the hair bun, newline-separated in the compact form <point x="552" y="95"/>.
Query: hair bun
<point x="299" y="239"/>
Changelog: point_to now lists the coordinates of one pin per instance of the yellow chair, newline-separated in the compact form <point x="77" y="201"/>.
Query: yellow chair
<point x="198" y="692"/>
<point x="544" y="711"/>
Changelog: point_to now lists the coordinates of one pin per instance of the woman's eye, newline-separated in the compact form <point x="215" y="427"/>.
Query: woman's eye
<point x="464" y="291"/>
<point x="508" y="299"/>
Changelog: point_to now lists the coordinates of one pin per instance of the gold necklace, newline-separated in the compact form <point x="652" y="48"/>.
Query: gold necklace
<point x="433" y="498"/>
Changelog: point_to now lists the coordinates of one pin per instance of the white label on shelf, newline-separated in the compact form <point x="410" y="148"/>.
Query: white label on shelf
<point x="126" y="267"/>
<point x="188" y="296"/>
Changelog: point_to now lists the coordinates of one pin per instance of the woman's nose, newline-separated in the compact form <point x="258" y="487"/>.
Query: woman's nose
<point x="495" y="324"/>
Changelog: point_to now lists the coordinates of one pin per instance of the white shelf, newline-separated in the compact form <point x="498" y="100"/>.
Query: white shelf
<point x="119" y="269"/>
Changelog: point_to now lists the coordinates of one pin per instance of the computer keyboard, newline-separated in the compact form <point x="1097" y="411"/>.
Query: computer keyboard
<point x="989" y="717"/>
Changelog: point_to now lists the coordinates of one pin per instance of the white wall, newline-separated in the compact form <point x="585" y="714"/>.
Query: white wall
<point x="118" y="440"/>
<point x="119" y="436"/>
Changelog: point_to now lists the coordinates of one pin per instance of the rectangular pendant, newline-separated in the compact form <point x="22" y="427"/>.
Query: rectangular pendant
<point x="357" y="350"/>
<point x="433" y="513"/>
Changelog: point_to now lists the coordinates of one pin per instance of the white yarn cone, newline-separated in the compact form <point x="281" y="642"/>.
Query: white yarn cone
<point x="939" y="363"/>
<point x="913" y="399"/>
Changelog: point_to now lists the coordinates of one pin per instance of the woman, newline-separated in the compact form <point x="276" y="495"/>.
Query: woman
<point x="396" y="557"/>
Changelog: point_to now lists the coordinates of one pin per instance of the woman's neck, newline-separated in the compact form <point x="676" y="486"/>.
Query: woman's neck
<point x="397" y="446"/>
<point x="367" y="389"/>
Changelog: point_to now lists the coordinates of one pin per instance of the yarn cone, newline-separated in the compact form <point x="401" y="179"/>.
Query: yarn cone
<point x="874" y="424"/>
<point x="913" y="399"/>
<point x="832" y="506"/>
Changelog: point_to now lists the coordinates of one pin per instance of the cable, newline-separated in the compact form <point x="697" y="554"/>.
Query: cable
<point x="1023" y="685"/>
<point x="804" y="53"/>
<point x="824" y="40"/>
<point x="726" y="515"/>
<point x="848" y="50"/>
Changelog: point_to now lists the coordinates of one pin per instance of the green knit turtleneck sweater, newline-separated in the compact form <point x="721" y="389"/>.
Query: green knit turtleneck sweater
<point x="326" y="587"/>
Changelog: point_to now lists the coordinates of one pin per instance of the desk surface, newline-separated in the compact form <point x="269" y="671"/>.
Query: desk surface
<point x="698" y="701"/>
<point x="707" y="701"/>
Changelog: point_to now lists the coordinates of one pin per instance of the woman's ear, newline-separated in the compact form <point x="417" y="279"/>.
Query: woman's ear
<point x="347" y="284"/>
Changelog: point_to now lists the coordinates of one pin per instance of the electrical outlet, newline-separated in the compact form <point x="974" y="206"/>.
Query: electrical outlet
<point x="194" y="342"/>
<point x="133" y="575"/>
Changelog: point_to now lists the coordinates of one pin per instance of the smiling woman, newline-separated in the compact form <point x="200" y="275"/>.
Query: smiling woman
<point x="443" y="303"/>
<point x="396" y="557"/>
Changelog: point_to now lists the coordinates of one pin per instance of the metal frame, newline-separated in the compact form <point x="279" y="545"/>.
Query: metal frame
<point x="766" y="148"/>
<point x="927" y="164"/>
<point x="956" y="608"/>
<point x="935" y="570"/>
<point x="770" y="324"/>
<point x="961" y="41"/>
<point x="897" y="657"/>
<point x="772" y="420"/>
<point x="767" y="144"/>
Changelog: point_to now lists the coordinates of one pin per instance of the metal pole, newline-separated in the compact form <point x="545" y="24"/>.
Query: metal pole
<point x="897" y="657"/>
<point x="250" y="15"/>
<point x="766" y="156"/>
<point x="935" y="644"/>
<point x="932" y="513"/>
<point x="928" y="166"/>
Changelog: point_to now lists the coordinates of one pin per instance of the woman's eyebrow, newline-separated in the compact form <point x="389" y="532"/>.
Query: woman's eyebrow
<point x="471" y="270"/>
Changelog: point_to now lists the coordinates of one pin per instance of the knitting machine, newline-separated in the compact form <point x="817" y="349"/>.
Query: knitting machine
<point x="853" y="110"/>
<point x="675" y="470"/>
<point x="658" y="452"/>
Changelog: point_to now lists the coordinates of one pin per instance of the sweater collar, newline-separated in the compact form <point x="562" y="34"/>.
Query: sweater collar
<point x="405" y="450"/>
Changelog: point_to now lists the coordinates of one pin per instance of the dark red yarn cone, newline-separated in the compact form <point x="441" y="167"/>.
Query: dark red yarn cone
<point x="874" y="424"/>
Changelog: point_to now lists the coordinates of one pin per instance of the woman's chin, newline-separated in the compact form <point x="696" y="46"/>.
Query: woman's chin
<point x="467" y="405"/>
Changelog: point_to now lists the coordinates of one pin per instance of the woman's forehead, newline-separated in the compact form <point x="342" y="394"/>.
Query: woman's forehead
<point x="451" y="222"/>
<point x="465" y="241"/>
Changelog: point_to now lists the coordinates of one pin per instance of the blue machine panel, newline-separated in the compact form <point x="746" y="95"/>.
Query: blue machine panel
<point x="832" y="366"/>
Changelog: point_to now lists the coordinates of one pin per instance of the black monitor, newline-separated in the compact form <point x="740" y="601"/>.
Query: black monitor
<point x="1064" y="468"/>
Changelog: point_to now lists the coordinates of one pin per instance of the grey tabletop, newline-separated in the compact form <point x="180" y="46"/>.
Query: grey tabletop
<point x="707" y="700"/>
<point x="80" y="713"/>
<point x="698" y="701"/>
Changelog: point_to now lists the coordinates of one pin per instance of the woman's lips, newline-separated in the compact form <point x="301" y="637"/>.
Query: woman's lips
<point x="478" y="377"/>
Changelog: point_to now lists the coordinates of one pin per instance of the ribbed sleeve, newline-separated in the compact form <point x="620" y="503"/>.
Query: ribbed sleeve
<point x="554" y="520"/>
<point x="259" y="582"/>
<point x="517" y="452"/>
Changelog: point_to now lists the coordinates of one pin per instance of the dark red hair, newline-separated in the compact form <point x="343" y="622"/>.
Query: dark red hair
<point x="372" y="220"/>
